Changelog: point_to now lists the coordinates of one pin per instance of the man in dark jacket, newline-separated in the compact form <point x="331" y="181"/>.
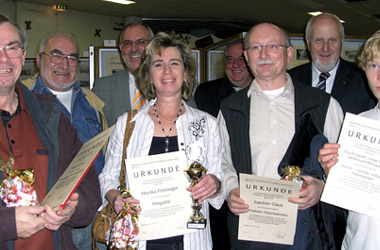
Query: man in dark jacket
<point x="209" y="94"/>
<point x="40" y="137"/>
<point x="342" y="79"/>
<point x="258" y="123"/>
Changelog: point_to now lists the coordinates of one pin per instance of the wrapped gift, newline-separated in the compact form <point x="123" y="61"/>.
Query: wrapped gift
<point x="17" y="188"/>
<point x="125" y="230"/>
<point x="293" y="173"/>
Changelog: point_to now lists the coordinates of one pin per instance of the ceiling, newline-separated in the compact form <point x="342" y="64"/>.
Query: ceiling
<point x="227" y="18"/>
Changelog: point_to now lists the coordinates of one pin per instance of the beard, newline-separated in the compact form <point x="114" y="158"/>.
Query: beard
<point x="325" y="67"/>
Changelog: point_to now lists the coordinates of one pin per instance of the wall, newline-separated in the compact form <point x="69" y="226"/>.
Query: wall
<point x="45" y="21"/>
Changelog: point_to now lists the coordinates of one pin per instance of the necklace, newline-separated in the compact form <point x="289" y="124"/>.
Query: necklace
<point x="170" y="129"/>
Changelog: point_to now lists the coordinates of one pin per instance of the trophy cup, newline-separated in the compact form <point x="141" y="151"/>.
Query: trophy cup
<point x="194" y="173"/>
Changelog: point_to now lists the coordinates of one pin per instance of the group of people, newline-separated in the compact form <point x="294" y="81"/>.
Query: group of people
<point x="247" y="121"/>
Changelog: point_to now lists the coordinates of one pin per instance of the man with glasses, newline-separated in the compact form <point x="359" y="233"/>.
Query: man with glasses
<point x="58" y="61"/>
<point x="209" y="94"/>
<point x="119" y="91"/>
<point x="258" y="123"/>
<point x="37" y="134"/>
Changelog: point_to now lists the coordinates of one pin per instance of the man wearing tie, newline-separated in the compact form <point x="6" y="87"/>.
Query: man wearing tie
<point x="118" y="91"/>
<point x="328" y="71"/>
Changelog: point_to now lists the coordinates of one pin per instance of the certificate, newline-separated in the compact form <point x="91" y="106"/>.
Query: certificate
<point x="354" y="182"/>
<point x="75" y="172"/>
<point x="271" y="217"/>
<point x="159" y="183"/>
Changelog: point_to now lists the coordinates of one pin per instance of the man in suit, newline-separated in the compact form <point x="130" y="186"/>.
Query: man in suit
<point x="209" y="94"/>
<point x="345" y="82"/>
<point x="118" y="91"/>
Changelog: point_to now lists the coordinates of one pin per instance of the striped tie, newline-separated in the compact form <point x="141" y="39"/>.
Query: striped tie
<point x="138" y="100"/>
<point x="322" y="80"/>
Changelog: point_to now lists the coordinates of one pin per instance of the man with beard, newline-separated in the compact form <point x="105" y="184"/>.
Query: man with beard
<point x="119" y="91"/>
<point x="328" y="71"/>
<point x="58" y="62"/>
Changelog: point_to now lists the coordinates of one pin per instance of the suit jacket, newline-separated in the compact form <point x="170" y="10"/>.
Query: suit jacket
<point x="209" y="95"/>
<point x="350" y="87"/>
<point x="113" y="90"/>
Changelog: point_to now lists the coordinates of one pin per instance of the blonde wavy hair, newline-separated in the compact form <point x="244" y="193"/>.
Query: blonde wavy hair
<point x="370" y="50"/>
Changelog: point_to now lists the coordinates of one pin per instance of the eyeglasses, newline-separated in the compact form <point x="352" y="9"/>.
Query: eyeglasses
<point x="270" y="47"/>
<point x="231" y="60"/>
<point x="139" y="42"/>
<point x="13" y="52"/>
<point x="58" y="58"/>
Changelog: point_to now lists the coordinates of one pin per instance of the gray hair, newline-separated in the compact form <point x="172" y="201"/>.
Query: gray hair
<point x="46" y="39"/>
<point x="131" y="25"/>
<point x="21" y="32"/>
<point x="312" y="20"/>
<point x="234" y="42"/>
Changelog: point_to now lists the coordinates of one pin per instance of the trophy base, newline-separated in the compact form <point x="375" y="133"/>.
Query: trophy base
<point x="197" y="225"/>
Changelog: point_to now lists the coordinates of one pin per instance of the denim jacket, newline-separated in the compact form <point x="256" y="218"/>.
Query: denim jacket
<point x="86" y="119"/>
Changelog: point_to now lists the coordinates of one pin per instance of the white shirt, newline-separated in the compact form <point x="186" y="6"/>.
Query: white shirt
<point x="64" y="97"/>
<point x="191" y="122"/>
<point x="272" y="126"/>
<point x="329" y="81"/>
<point x="362" y="231"/>
<point x="132" y="88"/>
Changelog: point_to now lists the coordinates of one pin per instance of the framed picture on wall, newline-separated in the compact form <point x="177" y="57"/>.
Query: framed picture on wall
<point x="110" y="61"/>
<point x="29" y="69"/>
<point x="215" y="64"/>
<point x="84" y="73"/>
<point x="196" y="54"/>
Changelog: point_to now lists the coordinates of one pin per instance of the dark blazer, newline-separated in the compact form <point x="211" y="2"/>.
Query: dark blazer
<point x="113" y="90"/>
<point x="350" y="87"/>
<point x="209" y="95"/>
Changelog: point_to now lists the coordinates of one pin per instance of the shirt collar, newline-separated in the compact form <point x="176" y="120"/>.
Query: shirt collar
<point x="289" y="87"/>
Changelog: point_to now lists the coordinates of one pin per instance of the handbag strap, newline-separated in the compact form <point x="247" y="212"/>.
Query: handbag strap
<point x="127" y="136"/>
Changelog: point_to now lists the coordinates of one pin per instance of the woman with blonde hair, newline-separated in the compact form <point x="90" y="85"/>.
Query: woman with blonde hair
<point x="166" y="77"/>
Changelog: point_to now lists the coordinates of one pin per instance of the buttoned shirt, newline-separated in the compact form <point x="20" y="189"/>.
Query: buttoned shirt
<point x="272" y="126"/>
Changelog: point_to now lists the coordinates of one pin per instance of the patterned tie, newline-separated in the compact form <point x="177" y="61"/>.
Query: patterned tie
<point x="322" y="80"/>
<point x="138" y="100"/>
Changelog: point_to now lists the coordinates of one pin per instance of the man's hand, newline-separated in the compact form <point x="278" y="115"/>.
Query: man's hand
<point x="54" y="219"/>
<point x="328" y="156"/>
<point x="29" y="221"/>
<point x="205" y="188"/>
<point x="236" y="204"/>
<point x="309" y="196"/>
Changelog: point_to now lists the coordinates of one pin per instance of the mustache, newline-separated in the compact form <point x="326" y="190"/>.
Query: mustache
<point x="261" y="62"/>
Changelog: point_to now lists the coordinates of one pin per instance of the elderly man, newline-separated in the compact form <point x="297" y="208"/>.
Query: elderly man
<point x="58" y="60"/>
<point x="258" y="123"/>
<point x="39" y="136"/>
<point x="343" y="80"/>
<point x="209" y="94"/>
<point x="119" y="91"/>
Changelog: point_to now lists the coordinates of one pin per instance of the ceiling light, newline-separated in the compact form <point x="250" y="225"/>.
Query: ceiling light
<point x="125" y="2"/>
<point x="316" y="13"/>
<point x="59" y="7"/>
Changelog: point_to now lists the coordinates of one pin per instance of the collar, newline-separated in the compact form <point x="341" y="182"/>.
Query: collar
<point x="40" y="88"/>
<point x="254" y="87"/>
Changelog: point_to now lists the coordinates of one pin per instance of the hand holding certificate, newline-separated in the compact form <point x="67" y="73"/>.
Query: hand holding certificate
<point x="353" y="183"/>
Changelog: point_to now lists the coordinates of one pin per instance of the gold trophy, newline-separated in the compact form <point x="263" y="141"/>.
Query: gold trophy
<point x="194" y="173"/>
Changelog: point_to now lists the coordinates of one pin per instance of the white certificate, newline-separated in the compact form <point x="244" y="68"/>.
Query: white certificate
<point x="354" y="182"/>
<point x="159" y="183"/>
<point x="271" y="217"/>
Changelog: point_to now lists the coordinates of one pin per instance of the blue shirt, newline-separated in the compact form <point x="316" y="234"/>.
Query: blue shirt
<point x="85" y="118"/>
